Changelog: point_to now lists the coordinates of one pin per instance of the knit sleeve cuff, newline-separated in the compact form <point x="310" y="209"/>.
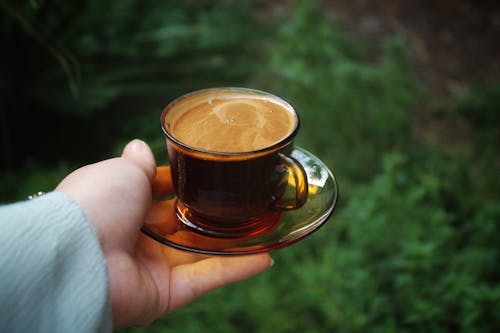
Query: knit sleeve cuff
<point x="54" y="276"/>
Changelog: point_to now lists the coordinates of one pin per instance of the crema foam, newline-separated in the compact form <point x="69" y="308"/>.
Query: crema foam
<point x="230" y="121"/>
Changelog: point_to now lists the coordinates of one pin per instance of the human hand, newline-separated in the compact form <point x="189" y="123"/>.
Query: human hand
<point x="146" y="279"/>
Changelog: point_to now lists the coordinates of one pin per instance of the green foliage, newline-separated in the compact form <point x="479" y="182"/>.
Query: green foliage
<point x="417" y="257"/>
<point x="99" y="65"/>
<point x="481" y="107"/>
<point x="19" y="185"/>
<point x="90" y="53"/>
<point x="413" y="245"/>
<point x="351" y="107"/>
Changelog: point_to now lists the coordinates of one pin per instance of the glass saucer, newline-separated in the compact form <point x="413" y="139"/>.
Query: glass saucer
<point x="290" y="227"/>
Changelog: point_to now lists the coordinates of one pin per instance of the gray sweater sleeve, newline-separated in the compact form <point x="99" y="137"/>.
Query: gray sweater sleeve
<point x="53" y="275"/>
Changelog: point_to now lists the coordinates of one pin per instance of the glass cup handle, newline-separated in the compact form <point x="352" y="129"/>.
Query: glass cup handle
<point x="296" y="170"/>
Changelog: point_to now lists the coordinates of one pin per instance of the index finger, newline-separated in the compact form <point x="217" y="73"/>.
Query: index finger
<point x="162" y="183"/>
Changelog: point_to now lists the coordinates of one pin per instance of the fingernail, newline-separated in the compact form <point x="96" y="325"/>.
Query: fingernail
<point x="271" y="262"/>
<point x="137" y="145"/>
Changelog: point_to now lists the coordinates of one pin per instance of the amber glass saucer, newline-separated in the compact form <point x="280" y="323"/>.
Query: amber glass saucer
<point x="288" y="227"/>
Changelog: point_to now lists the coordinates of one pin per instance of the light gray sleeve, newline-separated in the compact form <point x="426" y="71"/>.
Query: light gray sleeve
<point x="53" y="275"/>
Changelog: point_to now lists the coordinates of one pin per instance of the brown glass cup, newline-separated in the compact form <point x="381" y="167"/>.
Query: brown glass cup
<point x="234" y="193"/>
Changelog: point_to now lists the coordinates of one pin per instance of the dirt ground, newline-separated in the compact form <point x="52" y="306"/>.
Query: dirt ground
<point x="453" y="43"/>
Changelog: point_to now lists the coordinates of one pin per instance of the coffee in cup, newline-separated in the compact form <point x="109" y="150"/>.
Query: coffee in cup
<point x="229" y="151"/>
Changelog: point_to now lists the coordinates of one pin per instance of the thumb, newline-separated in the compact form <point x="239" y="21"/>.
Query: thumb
<point x="139" y="152"/>
<point x="190" y="281"/>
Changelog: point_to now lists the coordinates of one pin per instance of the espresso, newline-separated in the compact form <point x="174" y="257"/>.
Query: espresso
<point x="232" y="194"/>
<point x="230" y="121"/>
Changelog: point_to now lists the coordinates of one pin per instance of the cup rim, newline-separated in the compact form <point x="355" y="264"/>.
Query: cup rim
<point x="283" y="142"/>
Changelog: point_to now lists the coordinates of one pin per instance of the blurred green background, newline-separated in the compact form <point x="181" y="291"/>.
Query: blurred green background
<point x="400" y="99"/>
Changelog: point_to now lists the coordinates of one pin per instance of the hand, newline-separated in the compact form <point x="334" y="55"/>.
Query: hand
<point x="146" y="279"/>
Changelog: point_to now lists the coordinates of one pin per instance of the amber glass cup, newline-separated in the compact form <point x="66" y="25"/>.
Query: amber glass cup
<point x="234" y="193"/>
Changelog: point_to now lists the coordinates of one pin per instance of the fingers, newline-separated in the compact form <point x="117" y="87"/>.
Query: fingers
<point x="160" y="216"/>
<point x="140" y="153"/>
<point x="190" y="281"/>
<point x="162" y="183"/>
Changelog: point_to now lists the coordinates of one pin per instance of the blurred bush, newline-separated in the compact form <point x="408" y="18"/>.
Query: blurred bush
<point x="418" y="250"/>
<point x="353" y="107"/>
<point x="74" y="76"/>
<point x="79" y="80"/>
<point x="413" y="245"/>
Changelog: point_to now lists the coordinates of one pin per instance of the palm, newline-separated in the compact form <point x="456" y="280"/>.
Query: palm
<point x="161" y="279"/>
<point x="146" y="278"/>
